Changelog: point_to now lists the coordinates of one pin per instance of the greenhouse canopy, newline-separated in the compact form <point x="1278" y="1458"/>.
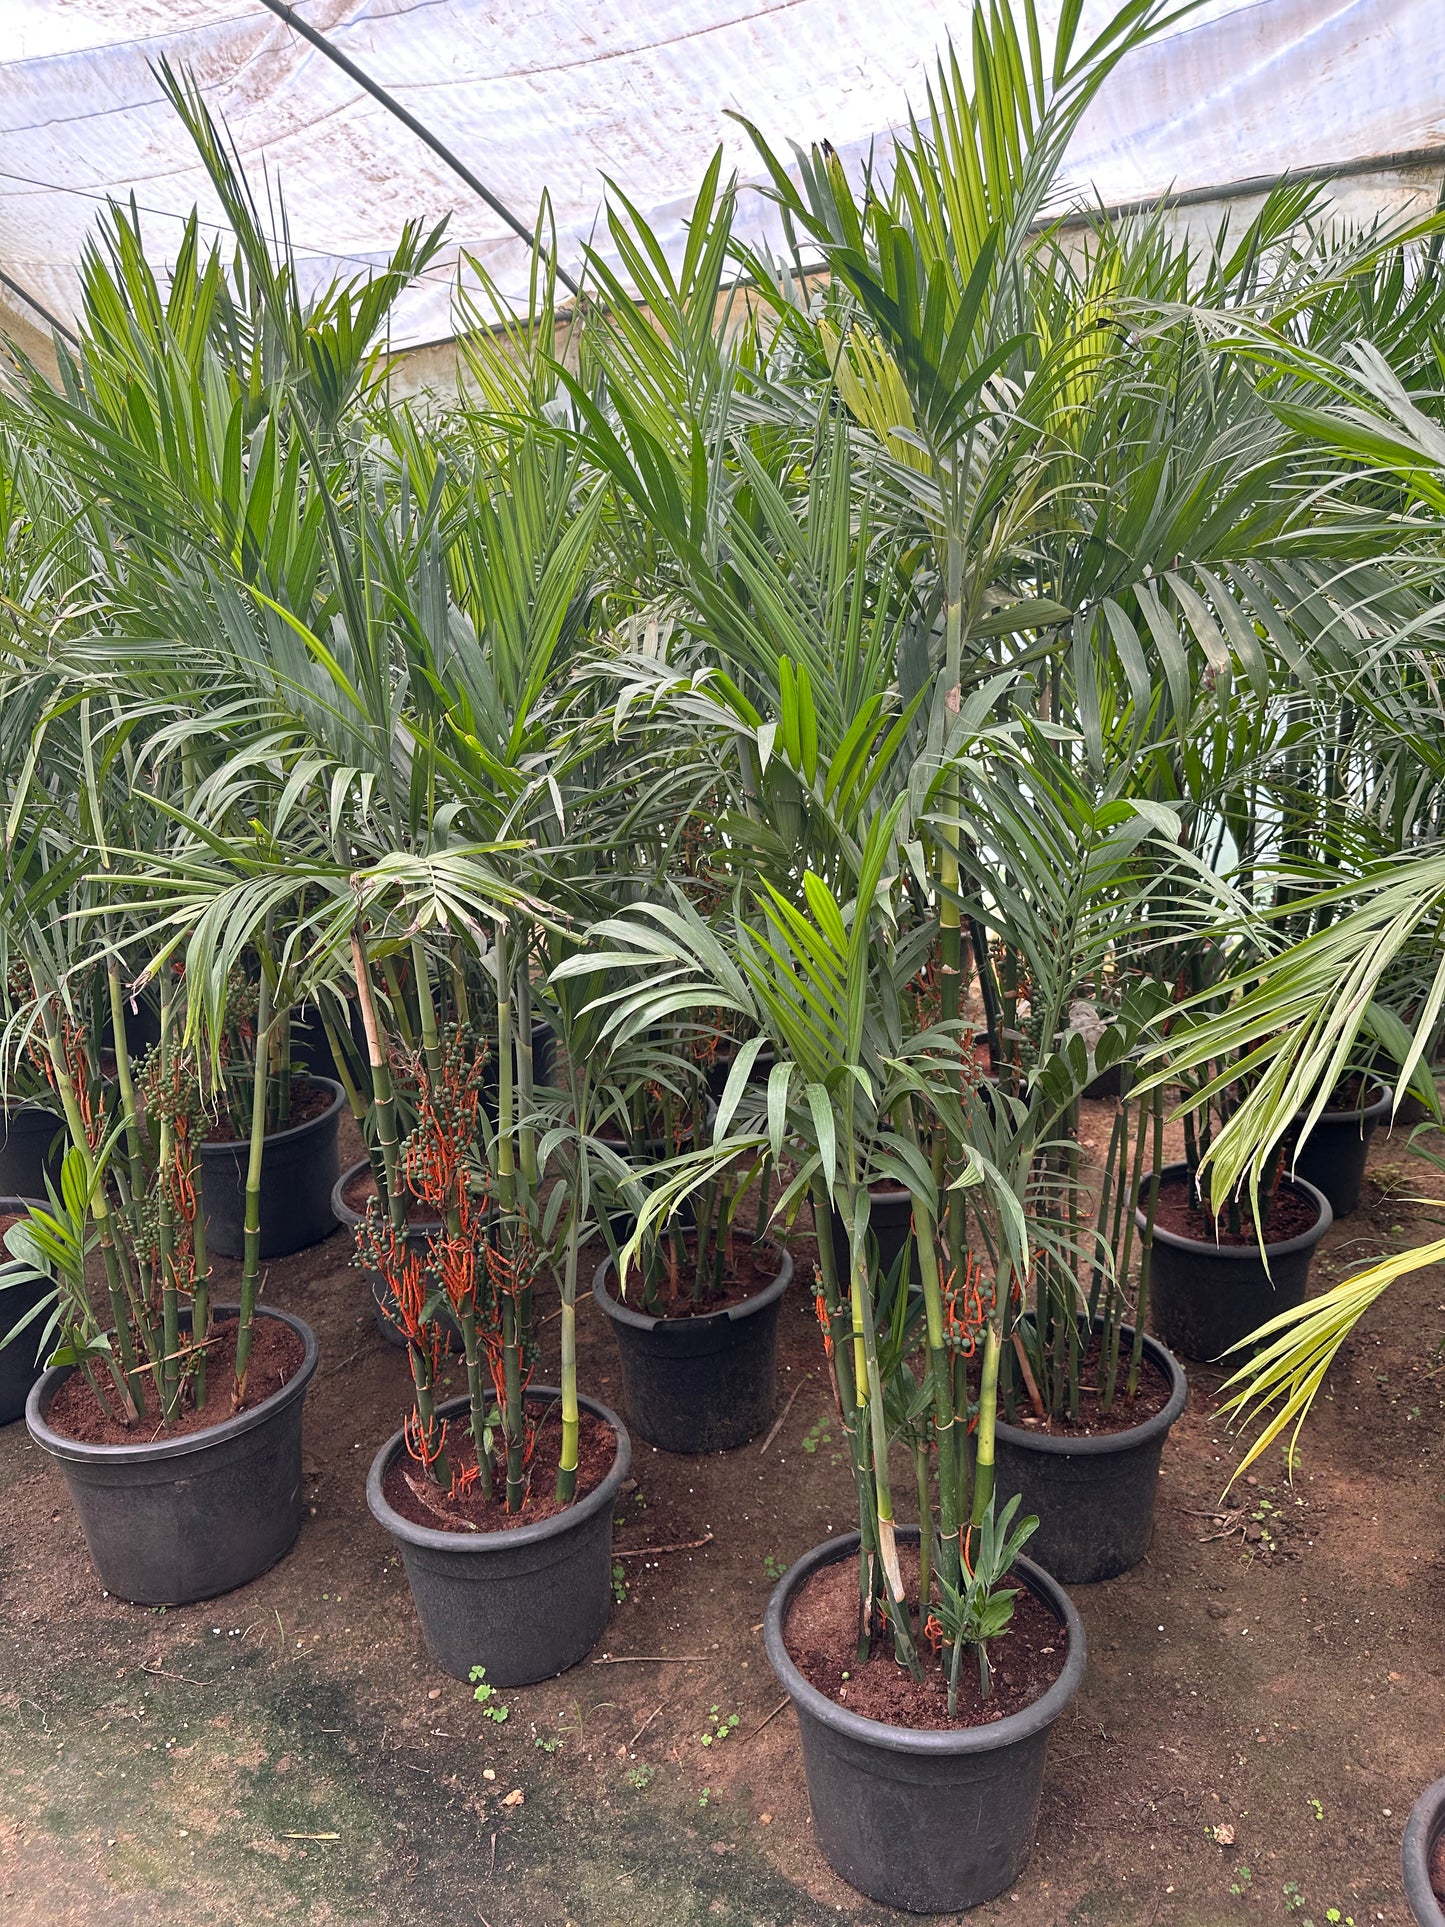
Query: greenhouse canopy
<point x="558" y="99"/>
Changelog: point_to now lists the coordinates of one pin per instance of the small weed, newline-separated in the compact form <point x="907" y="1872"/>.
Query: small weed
<point x="485" y="1695"/>
<point x="1293" y="1898"/>
<point x="773" y="1567"/>
<point x="820" y="1434"/>
<point x="1317" y="1808"/>
<point x="704" y="1797"/>
<point x="641" y="1776"/>
<point x="1242" y="1882"/>
<point x="719" y="1725"/>
<point x="546" y="1746"/>
<point x="619" y="1584"/>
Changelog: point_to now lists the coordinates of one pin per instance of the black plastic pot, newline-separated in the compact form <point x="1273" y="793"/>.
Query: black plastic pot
<point x="543" y="1045"/>
<point x="697" y="1384"/>
<point x="890" y="1219"/>
<point x="383" y="1300"/>
<point x="1207" y="1297"/>
<point x="299" y="1169"/>
<point x="175" y="1520"/>
<point x="1423" y="1833"/>
<point x="32" y="1144"/>
<point x="1332" y="1157"/>
<point x="525" y="1603"/>
<point x="19" y="1368"/>
<point x="1094" y="1497"/>
<point x="931" y="1822"/>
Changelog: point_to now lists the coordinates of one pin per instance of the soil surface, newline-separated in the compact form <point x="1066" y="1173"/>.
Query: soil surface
<point x="358" y="1194"/>
<point x="277" y="1354"/>
<point x="752" y="1270"/>
<point x="9" y="1219"/>
<point x="418" y="1498"/>
<point x="1291" y="1211"/>
<point x="1123" y="1414"/>
<point x="821" y="1634"/>
<point x="1264" y="1698"/>
<point x="308" y="1101"/>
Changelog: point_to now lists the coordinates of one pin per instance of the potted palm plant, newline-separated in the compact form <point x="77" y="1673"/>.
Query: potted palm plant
<point x="501" y="1501"/>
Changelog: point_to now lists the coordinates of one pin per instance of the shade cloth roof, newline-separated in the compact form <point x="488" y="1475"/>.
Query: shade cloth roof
<point x="556" y="94"/>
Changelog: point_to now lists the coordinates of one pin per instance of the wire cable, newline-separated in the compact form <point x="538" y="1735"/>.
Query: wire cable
<point x="443" y="153"/>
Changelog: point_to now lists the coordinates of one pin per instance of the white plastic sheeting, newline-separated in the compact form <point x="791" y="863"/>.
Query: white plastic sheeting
<point x="555" y="95"/>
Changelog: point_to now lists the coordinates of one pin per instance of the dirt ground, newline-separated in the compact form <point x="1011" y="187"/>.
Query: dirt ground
<point x="1264" y="1698"/>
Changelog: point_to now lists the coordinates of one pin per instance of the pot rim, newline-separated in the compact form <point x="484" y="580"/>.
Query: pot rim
<point x="1422" y="1830"/>
<point x="1034" y="1718"/>
<point x="1101" y="1444"/>
<point x="1357" y="1115"/>
<point x="622" y="1313"/>
<point x="345" y="1215"/>
<point x="240" y="1146"/>
<point x="83" y="1452"/>
<point x="435" y="1539"/>
<point x="1302" y="1240"/>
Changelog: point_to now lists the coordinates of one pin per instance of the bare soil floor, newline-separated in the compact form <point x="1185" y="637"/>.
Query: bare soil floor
<point x="1265" y="1696"/>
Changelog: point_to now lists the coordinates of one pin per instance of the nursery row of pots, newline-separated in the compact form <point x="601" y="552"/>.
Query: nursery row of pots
<point x="187" y="1518"/>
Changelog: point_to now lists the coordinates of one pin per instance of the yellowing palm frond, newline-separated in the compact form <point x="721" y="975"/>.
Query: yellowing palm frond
<point x="1288" y="1373"/>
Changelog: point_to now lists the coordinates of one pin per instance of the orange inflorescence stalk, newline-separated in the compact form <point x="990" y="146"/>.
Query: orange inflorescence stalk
<point x="964" y="1311"/>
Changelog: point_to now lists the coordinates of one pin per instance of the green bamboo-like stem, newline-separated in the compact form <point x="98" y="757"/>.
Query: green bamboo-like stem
<point x="99" y="1211"/>
<point x="283" y="1069"/>
<point x="400" y="1009"/>
<point x="513" y="1413"/>
<point x="566" y="1487"/>
<point x="135" y="1157"/>
<point x="476" y="1393"/>
<point x="426" y="1011"/>
<point x="251" y="1232"/>
<point x="423" y="1392"/>
<point x="925" y="1528"/>
<point x="506" y="1159"/>
<point x="1109" y="1376"/>
<point x="987" y="1418"/>
<point x="940" y="1374"/>
<point x="526" y="1071"/>
<point x="512" y="1382"/>
<point x="460" y="1001"/>
<point x="1146" y="1250"/>
<point x="168" y="1378"/>
<point x="866" y="1338"/>
<point x="200" y="1303"/>
<point x="1110" y="1195"/>
<point x="836" y="1310"/>
<point x="382" y="1098"/>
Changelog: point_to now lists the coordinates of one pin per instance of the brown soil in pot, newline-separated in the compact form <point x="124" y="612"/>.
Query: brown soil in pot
<point x="7" y="1219"/>
<point x="753" y="1269"/>
<point x="277" y="1353"/>
<point x="359" y="1192"/>
<point x="1346" y="1097"/>
<point x="822" y="1638"/>
<point x="411" y="1492"/>
<point x="1125" y="1412"/>
<point x="1292" y="1211"/>
<point x="308" y="1101"/>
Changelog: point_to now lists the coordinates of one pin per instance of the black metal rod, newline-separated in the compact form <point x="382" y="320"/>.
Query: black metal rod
<point x="393" y="106"/>
<point x="39" y="307"/>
